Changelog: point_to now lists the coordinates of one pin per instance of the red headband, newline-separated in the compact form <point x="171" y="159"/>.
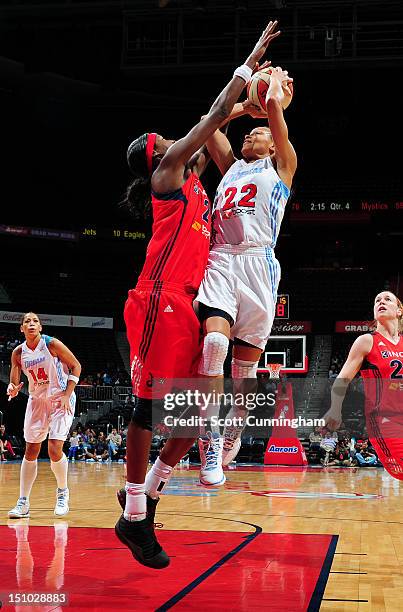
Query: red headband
<point x="151" y="138"/>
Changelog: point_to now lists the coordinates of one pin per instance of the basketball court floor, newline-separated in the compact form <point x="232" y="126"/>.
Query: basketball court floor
<point x="273" y="538"/>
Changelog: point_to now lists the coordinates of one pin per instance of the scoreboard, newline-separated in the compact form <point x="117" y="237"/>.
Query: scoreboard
<point x="283" y="307"/>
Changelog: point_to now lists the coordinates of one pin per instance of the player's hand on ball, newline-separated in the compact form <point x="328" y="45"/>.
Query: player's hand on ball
<point x="13" y="390"/>
<point x="279" y="83"/>
<point x="265" y="64"/>
<point x="283" y="77"/>
<point x="254" y="111"/>
<point x="333" y="418"/>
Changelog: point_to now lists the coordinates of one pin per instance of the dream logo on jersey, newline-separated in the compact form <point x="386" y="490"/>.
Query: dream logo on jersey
<point x="34" y="362"/>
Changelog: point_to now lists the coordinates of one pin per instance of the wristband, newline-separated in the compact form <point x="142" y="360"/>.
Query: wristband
<point x="73" y="378"/>
<point x="244" y="72"/>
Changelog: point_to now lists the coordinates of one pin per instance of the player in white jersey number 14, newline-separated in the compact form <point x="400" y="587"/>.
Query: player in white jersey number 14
<point x="52" y="372"/>
<point x="238" y="294"/>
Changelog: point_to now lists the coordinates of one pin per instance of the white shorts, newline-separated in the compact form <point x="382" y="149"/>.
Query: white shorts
<point x="44" y="416"/>
<point x="243" y="282"/>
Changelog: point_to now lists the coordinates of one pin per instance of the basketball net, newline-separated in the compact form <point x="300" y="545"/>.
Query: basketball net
<point x="274" y="369"/>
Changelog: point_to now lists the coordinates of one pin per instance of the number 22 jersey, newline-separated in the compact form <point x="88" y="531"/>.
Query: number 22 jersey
<point x="249" y="204"/>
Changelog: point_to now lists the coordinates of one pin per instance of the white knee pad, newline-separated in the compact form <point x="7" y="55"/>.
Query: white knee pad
<point x="243" y="369"/>
<point x="215" y="350"/>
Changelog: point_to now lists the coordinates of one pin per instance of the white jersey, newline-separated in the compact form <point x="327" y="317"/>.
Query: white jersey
<point x="47" y="375"/>
<point x="249" y="205"/>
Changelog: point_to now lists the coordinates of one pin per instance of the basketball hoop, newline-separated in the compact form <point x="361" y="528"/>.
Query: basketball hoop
<point x="274" y="369"/>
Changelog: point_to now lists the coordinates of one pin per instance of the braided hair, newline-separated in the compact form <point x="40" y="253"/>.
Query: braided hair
<point x="138" y="194"/>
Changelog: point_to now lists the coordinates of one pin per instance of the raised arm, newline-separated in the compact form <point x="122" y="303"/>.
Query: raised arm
<point x="286" y="159"/>
<point x="218" y="145"/>
<point x="356" y="356"/>
<point x="169" y="174"/>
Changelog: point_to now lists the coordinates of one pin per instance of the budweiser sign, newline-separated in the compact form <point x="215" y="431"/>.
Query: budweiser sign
<point x="354" y="327"/>
<point x="291" y="327"/>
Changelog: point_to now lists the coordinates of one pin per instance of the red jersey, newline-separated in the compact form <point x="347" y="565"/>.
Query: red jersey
<point x="382" y="370"/>
<point x="180" y="243"/>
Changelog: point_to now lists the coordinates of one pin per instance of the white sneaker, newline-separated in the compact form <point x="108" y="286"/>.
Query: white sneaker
<point x="210" y="448"/>
<point x="232" y="443"/>
<point x="21" y="510"/>
<point x="62" y="502"/>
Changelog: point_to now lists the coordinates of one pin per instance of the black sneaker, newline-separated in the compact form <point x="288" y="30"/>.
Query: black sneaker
<point x="140" y="538"/>
<point x="151" y="505"/>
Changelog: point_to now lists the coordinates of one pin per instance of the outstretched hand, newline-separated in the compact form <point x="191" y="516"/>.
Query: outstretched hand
<point x="265" y="39"/>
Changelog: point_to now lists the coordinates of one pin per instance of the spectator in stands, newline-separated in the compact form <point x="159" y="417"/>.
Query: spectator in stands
<point x="89" y="447"/>
<point x="98" y="379"/>
<point x="5" y="440"/>
<point x="2" y="451"/>
<point x="101" y="447"/>
<point x="130" y="399"/>
<point x="342" y="454"/>
<point x="315" y="438"/>
<point x="74" y="444"/>
<point x="114" y="443"/>
<point x="106" y="379"/>
<point x="364" y="457"/>
<point x="328" y="446"/>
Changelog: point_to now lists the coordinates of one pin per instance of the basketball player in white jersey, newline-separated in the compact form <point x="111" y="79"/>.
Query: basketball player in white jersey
<point x="53" y="372"/>
<point x="238" y="294"/>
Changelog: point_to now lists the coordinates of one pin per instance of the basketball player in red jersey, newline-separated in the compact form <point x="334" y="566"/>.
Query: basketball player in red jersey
<point x="378" y="356"/>
<point x="162" y="328"/>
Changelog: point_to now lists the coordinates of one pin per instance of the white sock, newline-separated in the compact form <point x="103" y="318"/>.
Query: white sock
<point x="59" y="468"/>
<point x="29" y="470"/>
<point x="237" y="416"/>
<point x="136" y="502"/>
<point x="212" y="410"/>
<point x="157" y="478"/>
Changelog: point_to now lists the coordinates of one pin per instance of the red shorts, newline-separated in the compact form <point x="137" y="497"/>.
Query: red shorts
<point x="164" y="334"/>
<point x="386" y="435"/>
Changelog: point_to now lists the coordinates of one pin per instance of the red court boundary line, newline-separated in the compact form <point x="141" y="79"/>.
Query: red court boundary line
<point x="317" y="595"/>
<point x="192" y="585"/>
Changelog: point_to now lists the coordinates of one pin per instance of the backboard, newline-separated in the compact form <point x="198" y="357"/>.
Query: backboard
<point x="290" y="351"/>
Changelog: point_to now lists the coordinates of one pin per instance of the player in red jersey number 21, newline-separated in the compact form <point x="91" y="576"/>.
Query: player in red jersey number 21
<point x="379" y="359"/>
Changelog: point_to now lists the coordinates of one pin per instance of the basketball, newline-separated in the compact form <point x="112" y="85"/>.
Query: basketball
<point x="258" y="86"/>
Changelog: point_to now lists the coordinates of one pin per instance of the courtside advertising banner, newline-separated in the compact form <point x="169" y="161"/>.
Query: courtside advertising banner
<point x="61" y="320"/>
<point x="354" y="327"/>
